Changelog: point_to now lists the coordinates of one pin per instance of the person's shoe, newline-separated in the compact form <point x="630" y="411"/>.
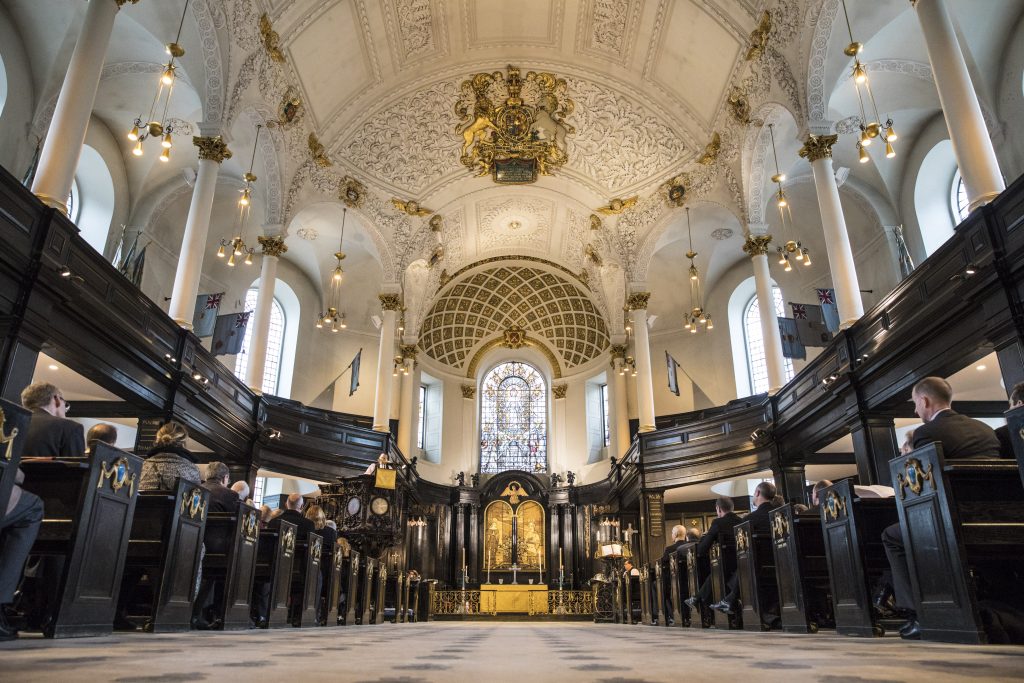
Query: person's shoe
<point x="883" y="596"/>
<point x="122" y="623"/>
<point x="911" y="630"/>
<point x="724" y="607"/>
<point x="692" y="601"/>
<point x="7" y="632"/>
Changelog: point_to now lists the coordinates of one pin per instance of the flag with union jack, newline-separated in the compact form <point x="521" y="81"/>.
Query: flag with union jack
<point x="799" y="311"/>
<point x="205" y="317"/>
<point x="829" y="309"/>
<point x="229" y="333"/>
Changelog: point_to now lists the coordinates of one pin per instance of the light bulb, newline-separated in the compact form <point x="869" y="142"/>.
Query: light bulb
<point x="693" y="330"/>
<point x="711" y="325"/>
<point x="165" y="155"/>
<point x="343" y="324"/>
<point x="864" y="158"/>
<point x="220" y="251"/>
<point x="890" y="134"/>
<point x="807" y="258"/>
<point x="338" y="274"/>
<point x="231" y="260"/>
<point x="133" y="134"/>
<point x="859" y="74"/>
<point x="248" y="258"/>
<point x="799" y="256"/>
<point x="166" y="142"/>
<point x="319" y="323"/>
<point x="137" y="150"/>
<point x="865" y="139"/>
<point x="889" y="151"/>
<point x="244" y="201"/>
<point x="782" y="199"/>
<point x="687" y="324"/>
<point x="168" y="76"/>
<point x="789" y="266"/>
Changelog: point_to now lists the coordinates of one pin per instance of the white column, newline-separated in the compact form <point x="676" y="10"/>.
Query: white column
<point x="818" y="150"/>
<point x="385" y="362"/>
<point x="757" y="247"/>
<point x="470" y="443"/>
<point x="63" y="146"/>
<point x="644" y="381"/>
<point x="407" y="404"/>
<point x="212" y="151"/>
<point x="559" y="429"/>
<point x="971" y="144"/>
<point x="619" y="407"/>
<point x="273" y="247"/>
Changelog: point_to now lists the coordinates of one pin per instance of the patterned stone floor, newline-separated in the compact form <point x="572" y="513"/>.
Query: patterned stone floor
<point x="510" y="651"/>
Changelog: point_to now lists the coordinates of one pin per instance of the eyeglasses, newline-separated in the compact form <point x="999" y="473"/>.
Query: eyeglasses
<point x="67" y="406"/>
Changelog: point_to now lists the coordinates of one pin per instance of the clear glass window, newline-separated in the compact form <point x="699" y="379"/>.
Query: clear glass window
<point x="605" y="415"/>
<point x="421" y="428"/>
<point x="275" y="343"/>
<point x="958" y="198"/>
<point x="756" y="361"/>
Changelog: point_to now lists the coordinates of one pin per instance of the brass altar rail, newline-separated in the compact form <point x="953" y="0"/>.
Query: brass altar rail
<point x="568" y="602"/>
<point x="461" y="603"/>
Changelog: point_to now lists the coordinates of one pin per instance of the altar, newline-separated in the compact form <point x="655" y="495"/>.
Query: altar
<point x="520" y="598"/>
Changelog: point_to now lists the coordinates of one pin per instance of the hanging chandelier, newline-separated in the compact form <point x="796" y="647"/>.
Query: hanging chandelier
<point x="869" y="128"/>
<point x="697" y="315"/>
<point x="331" y="318"/>
<point x="160" y="128"/>
<point x="792" y="247"/>
<point x="236" y="245"/>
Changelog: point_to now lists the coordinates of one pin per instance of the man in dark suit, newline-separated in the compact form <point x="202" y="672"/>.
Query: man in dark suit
<point x="678" y="539"/>
<point x="222" y="498"/>
<point x="961" y="438"/>
<point x="293" y="513"/>
<point x="765" y="500"/>
<point x="50" y="433"/>
<point x="721" y="529"/>
<point x="1003" y="433"/>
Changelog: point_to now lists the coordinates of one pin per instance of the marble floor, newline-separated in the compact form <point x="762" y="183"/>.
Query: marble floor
<point x="501" y="651"/>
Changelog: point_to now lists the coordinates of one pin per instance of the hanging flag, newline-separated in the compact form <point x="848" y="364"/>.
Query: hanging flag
<point x="829" y="310"/>
<point x="138" y="264"/>
<point x="791" y="346"/>
<point x="229" y="333"/>
<point x="354" y="381"/>
<point x="30" y="173"/>
<point x="799" y="311"/>
<point x="205" y="317"/>
<point x="673" y="378"/>
<point x="127" y="257"/>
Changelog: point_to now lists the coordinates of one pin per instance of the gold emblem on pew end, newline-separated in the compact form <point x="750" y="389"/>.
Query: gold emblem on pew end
<point x="780" y="527"/>
<point x="835" y="505"/>
<point x="913" y="477"/>
<point x="741" y="541"/>
<point x="288" y="541"/>
<point x="317" y="549"/>
<point x="118" y="476"/>
<point x="7" y="439"/>
<point x="250" y="527"/>
<point x="192" y="501"/>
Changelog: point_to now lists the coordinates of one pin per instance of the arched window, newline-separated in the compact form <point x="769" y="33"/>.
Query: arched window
<point x="275" y="344"/>
<point x="513" y="419"/>
<point x="3" y="85"/>
<point x="756" y="362"/>
<point x="958" y="198"/>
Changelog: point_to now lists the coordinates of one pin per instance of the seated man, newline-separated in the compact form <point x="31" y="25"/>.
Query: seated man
<point x="222" y="499"/>
<point x="241" y="487"/>
<point x="678" y="539"/>
<point x="766" y="499"/>
<point x="1003" y="433"/>
<point x="692" y="534"/>
<point x="961" y="438"/>
<point x="100" y="433"/>
<point x="293" y="513"/>
<point x="50" y="433"/>
<point x="18" y="530"/>
<point x="721" y="528"/>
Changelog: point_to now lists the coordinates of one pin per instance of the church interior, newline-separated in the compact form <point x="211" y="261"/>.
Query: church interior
<point x="522" y="333"/>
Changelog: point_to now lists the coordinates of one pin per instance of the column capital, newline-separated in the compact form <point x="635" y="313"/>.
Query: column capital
<point x="468" y="391"/>
<point x="618" y="351"/>
<point x="122" y="3"/>
<point x="408" y="352"/>
<point x="273" y="245"/>
<point x="637" y="301"/>
<point x="818" y="147"/>
<point x="757" y="245"/>
<point x="390" y="302"/>
<point x="559" y="390"/>
<point x="212" y="148"/>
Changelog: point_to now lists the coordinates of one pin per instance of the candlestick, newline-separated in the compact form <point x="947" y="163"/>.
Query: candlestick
<point x="540" y="566"/>
<point x="561" y="563"/>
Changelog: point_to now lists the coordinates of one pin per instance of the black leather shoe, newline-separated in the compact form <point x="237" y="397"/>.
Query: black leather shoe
<point x="7" y="632"/>
<point x="911" y="630"/>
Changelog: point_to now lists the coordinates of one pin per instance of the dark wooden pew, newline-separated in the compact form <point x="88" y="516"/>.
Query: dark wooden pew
<point x="963" y="530"/>
<point x="335" y="588"/>
<point x="275" y="556"/>
<point x="697" y="570"/>
<point x="852" y="530"/>
<point x="379" y="590"/>
<point x="89" y="507"/>
<point x="723" y="566"/>
<point x="232" y="539"/>
<point x="801" y="570"/>
<point x="352" y="588"/>
<point x="659" y="593"/>
<point x="755" y="566"/>
<point x="677" y="592"/>
<point x="647" y="614"/>
<point x="367" y="572"/>
<point x="13" y="429"/>
<point x="1015" y="426"/>
<point x="306" y="581"/>
<point x="166" y="545"/>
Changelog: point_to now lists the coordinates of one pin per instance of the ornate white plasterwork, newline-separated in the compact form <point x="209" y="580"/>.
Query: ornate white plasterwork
<point x="607" y="29"/>
<point x="453" y="237"/>
<point x="574" y="238"/>
<point x="175" y="190"/>
<point x="216" y="85"/>
<point x="760" y="140"/>
<point x="552" y="37"/>
<point x="417" y="29"/>
<point x="514" y="223"/>
<point x="817" y="102"/>
<point x="906" y="67"/>
<point x="267" y="154"/>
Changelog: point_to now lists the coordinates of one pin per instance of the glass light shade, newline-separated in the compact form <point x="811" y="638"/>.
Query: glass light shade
<point x="789" y="266"/>
<point x="781" y="198"/>
<point x="693" y="329"/>
<point x="338" y="274"/>
<point x="864" y="158"/>
<point x="859" y="74"/>
<point x="165" y="155"/>
<point x="889" y="151"/>
<point x="133" y="134"/>
<point x="343" y="324"/>
<point x="248" y="258"/>
<point x="137" y="149"/>
<point x="166" y="142"/>
<point x="319" y="323"/>
<point x="711" y="325"/>
<point x="890" y="134"/>
<point x="220" y="251"/>
<point x="231" y="260"/>
<point x="244" y="200"/>
<point x="167" y="78"/>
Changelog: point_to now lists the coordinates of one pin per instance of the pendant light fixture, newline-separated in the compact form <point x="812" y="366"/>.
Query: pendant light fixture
<point x="791" y="247"/>
<point x="331" y="318"/>
<point x="236" y="245"/>
<point x="153" y="127"/>
<point x="697" y="317"/>
<point x="869" y="128"/>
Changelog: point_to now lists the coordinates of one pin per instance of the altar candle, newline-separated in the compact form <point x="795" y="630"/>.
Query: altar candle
<point x="463" y="559"/>
<point x="561" y="564"/>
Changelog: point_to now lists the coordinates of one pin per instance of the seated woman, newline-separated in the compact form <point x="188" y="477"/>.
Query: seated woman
<point x="315" y="513"/>
<point x="169" y="460"/>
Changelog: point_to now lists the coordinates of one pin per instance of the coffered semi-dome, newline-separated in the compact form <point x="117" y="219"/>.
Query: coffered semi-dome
<point x="474" y="311"/>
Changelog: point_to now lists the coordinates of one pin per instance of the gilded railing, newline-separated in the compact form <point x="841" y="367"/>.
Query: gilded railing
<point x="571" y="602"/>
<point x="462" y="602"/>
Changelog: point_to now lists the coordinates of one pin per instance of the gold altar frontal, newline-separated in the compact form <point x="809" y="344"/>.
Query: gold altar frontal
<point x="520" y="598"/>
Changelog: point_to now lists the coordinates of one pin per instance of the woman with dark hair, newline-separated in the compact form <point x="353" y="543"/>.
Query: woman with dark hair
<point x="169" y="460"/>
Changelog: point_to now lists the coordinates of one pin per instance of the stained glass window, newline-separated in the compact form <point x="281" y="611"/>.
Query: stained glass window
<point x="513" y="419"/>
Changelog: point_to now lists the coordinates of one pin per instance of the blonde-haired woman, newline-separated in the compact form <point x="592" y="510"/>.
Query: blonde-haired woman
<point x="169" y="460"/>
<point x="315" y="514"/>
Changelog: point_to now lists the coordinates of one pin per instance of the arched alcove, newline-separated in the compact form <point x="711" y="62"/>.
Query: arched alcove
<point x="931" y="196"/>
<point x="95" y="198"/>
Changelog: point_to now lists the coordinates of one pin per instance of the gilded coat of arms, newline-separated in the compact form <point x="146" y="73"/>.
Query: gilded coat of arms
<point x="521" y="138"/>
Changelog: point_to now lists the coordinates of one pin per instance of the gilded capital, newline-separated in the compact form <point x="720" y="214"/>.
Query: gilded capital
<point x="757" y="245"/>
<point x="468" y="391"/>
<point x="559" y="390"/>
<point x="212" y="148"/>
<point x="273" y="246"/>
<point x="637" y="301"/>
<point x="389" y="302"/>
<point x="818" y="147"/>
<point x="618" y="351"/>
<point x="408" y="352"/>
